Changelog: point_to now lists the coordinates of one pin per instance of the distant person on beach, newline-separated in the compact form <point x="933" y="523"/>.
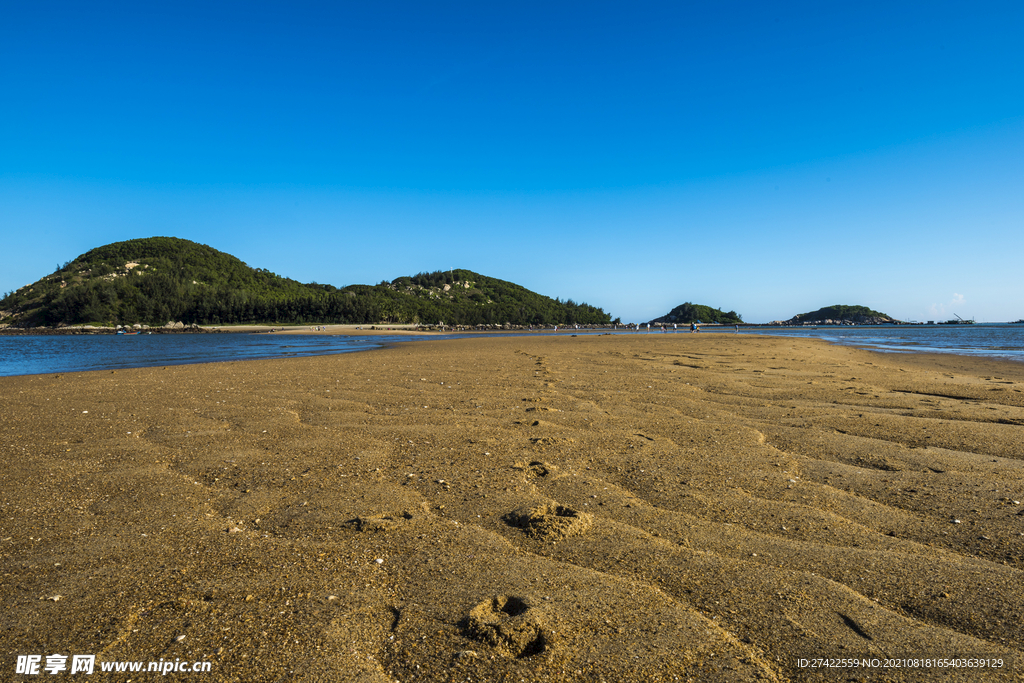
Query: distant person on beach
<point x="693" y="327"/>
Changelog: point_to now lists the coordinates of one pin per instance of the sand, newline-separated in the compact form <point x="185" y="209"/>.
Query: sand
<point x="710" y="507"/>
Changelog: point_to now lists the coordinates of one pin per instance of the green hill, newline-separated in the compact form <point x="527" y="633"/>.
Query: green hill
<point x="160" y="279"/>
<point x="690" y="313"/>
<point x="840" y="313"/>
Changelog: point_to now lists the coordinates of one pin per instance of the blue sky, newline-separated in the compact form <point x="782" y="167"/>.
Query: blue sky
<point x="759" y="157"/>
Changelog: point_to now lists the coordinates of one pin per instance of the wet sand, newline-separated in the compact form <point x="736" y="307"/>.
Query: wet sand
<point x="708" y="507"/>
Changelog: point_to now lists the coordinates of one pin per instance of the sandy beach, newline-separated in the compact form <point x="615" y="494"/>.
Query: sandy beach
<point x="709" y="507"/>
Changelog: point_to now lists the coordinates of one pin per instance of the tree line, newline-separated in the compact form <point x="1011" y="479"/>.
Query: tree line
<point x="178" y="280"/>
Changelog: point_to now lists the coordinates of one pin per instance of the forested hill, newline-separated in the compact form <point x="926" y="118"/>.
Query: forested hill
<point x="687" y="313"/>
<point x="838" y="314"/>
<point x="161" y="279"/>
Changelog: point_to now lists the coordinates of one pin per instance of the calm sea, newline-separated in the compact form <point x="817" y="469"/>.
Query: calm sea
<point x="999" y="340"/>
<point x="33" y="355"/>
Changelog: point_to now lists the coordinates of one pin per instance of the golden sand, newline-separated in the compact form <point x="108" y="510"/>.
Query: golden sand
<point x="592" y="508"/>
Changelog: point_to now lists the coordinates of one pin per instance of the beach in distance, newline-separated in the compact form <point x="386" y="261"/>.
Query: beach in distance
<point x="712" y="507"/>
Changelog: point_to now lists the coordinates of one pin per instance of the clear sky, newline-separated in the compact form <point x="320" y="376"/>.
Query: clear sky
<point x="768" y="158"/>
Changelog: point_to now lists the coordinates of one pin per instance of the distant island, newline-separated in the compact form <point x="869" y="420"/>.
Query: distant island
<point x="687" y="313"/>
<point x="839" y="315"/>
<point x="161" y="280"/>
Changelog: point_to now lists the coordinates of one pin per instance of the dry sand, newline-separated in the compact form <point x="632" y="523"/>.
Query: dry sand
<point x="592" y="508"/>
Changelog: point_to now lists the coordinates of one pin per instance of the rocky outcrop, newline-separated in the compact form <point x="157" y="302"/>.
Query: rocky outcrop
<point x="840" y="314"/>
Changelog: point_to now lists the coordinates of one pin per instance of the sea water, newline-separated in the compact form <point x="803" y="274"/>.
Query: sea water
<point x="38" y="354"/>
<point x="998" y="340"/>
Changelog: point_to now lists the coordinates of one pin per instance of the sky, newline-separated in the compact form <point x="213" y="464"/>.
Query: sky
<point x="766" y="158"/>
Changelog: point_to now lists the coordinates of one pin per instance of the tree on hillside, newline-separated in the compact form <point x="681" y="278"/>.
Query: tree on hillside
<point x="691" y="313"/>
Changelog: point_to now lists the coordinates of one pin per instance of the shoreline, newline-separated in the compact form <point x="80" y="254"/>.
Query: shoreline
<point x="298" y="330"/>
<point x="614" y="507"/>
<point x="418" y="332"/>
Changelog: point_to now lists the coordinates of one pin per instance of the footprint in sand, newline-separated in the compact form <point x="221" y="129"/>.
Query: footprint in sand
<point x="510" y="625"/>
<point x="550" y="521"/>
<point x="539" y="469"/>
<point x="377" y="523"/>
<point x="386" y="522"/>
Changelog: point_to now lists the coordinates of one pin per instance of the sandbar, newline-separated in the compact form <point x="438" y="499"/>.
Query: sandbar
<point x="709" y="507"/>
